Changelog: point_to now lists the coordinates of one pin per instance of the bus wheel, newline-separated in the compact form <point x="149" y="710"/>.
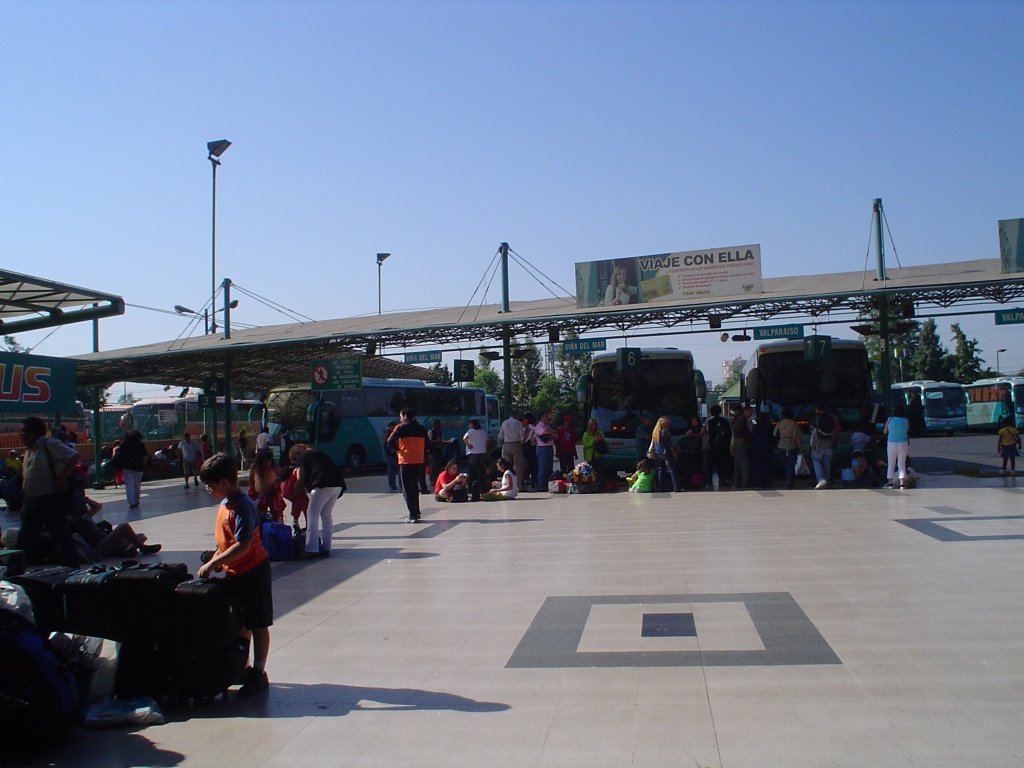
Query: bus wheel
<point x="355" y="459"/>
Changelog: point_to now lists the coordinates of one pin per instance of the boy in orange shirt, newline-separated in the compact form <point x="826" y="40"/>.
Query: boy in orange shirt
<point x="242" y="557"/>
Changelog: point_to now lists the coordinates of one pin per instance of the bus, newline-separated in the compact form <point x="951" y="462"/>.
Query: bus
<point x="349" y="425"/>
<point x="664" y="383"/>
<point x="169" y="418"/>
<point x="989" y="401"/>
<point x="943" y="403"/>
<point x="778" y="375"/>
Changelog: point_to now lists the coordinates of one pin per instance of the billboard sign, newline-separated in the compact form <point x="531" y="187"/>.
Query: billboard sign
<point x="730" y="271"/>
<point x="36" y="384"/>
<point x="1011" y="245"/>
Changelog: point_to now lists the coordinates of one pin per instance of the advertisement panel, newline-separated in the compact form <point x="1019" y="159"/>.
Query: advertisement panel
<point x="1011" y="245"/>
<point x="36" y="384"/>
<point x="729" y="271"/>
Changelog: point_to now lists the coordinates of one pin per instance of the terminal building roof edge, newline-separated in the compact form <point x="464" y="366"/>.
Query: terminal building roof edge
<point x="269" y="355"/>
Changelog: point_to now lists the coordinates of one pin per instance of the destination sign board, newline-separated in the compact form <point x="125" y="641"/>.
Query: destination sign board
<point x="430" y="356"/>
<point x="340" y="373"/>
<point x="581" y="346"/>
<point x="772" y="332"/>
<point x="1009" y="316"/>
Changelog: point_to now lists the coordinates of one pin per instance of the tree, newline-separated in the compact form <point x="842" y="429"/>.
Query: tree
<point x="549" y="395"/>
<point x="12" y="344"/>
<point x="965" y="362"/>
<point x="487" y="380"/>
<point x="126" y="399"/>
<point x="928" y="360"/>
<point x="526" y="373"/>
<point x="444" y="376"/>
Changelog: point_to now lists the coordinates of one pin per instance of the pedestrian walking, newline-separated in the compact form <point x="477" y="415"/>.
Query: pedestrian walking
<point x="409" y="440"/>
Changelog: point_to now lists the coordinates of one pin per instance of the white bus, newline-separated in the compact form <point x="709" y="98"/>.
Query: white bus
<point x="989" y="401"/>
<point x="664" y="384"/>
<point x="943" y="404"/>
<point x="349" y="424"/>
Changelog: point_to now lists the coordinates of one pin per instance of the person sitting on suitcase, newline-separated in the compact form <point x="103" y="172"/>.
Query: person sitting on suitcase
<point x="242" y="557"/>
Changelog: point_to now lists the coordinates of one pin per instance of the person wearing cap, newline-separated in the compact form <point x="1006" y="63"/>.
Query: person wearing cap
<point x="565" y="445"/>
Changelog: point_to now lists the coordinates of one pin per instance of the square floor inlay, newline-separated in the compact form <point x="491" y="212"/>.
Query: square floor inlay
<point x="760" y="628"/>
<point x="668" y="625"/>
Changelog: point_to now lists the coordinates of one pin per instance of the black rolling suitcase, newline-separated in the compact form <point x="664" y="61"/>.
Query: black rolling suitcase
<point x="143" y="595"/>
<point x="209" y="654"/>
<point x="88" y="602"/>
<point x="43" y="589"/>
<point x="143" y="599"/>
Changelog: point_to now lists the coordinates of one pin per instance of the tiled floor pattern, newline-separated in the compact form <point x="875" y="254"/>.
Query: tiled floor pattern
<point x="894" y="647"/>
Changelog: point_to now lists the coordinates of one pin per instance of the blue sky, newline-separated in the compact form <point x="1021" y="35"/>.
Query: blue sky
<point x="573" y="130"/>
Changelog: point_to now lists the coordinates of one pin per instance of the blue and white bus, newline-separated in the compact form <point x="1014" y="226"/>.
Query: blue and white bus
<point x="989" y="401"/>
<point x="943" y="403"/>
<point x="349" y="424"/>
<point x="664" y="384"/>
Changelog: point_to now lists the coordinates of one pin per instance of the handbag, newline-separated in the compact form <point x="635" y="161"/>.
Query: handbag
<point x="801" y="468"/>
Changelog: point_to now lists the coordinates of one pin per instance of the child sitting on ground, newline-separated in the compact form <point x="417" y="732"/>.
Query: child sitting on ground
<point x="241" y="555"/>
<point x="641" y="481"/>
<point x="505" y="488"/>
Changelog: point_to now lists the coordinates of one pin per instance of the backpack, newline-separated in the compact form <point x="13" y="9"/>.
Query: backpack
<point x="718" y="437"/>
<point x="39" y="694"/>
<point x="824" y="425"/>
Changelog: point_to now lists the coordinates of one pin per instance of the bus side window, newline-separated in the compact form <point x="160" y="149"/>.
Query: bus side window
<point x="326" y="422"/>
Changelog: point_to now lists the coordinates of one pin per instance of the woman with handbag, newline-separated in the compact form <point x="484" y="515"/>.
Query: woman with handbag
<point x="664" y="453"/>
<point x="790" y="443"/>
<point x="594" y="448"/>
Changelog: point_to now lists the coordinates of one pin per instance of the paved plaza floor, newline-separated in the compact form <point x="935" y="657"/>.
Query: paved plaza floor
<point x="738" y="629"/>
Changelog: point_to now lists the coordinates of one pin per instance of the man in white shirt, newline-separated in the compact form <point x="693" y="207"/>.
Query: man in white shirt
<point x="263" y="440"/>
<point x="510" y="438"/>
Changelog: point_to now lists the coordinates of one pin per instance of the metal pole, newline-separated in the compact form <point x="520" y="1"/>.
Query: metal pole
<point x="227" y="307"/>
<point x="379" y="265"/>
<point x="213" y="249"/>
<point x="97" y="438"/>
<point x="885" y="374"/>
<point x="506" y="336"/>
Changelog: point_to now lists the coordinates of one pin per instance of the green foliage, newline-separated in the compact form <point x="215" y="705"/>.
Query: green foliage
<point x="487" y="380"/>
<point x="444" y="376"/>
<point x="12" y="344"/>
<point x="928" y="360"/>
<point x="526" y="373"/>
<point x="964" y="363"/>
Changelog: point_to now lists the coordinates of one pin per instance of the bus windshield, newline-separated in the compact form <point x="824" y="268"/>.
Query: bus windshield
<point x="1018" y="396"/>
<point x="663" y="387"/>
<point x="843" y="381"/>
<point x="943" y="403"/>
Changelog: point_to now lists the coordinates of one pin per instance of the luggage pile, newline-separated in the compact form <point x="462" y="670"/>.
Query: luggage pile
<point x="179" y="637"/>
<point x="584" y="479"/>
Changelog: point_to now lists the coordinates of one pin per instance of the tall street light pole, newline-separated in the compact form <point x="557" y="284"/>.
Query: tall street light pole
<point x="999" y="371"/>
<point x="215" y="150"/>
<point x="381" y="258"/>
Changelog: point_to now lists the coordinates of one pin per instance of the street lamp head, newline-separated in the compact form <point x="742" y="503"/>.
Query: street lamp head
<point x="218" y="147"/>
<point x="183" y="310"/>
<point x="233" y="304"/>
<point x="1000" y="350"/>
<point x="381" y="258"/>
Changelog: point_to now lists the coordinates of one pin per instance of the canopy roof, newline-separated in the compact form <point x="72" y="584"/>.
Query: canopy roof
<point x="29" y="303"/>
<point x="270" y="355"/>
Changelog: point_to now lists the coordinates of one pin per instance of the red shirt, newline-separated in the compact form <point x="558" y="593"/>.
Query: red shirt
<point x="565" y="440"/>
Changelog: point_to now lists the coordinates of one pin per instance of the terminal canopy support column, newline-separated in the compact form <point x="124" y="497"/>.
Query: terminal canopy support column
<point x="885" y="370"/>
<point x="506" y="336"/>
